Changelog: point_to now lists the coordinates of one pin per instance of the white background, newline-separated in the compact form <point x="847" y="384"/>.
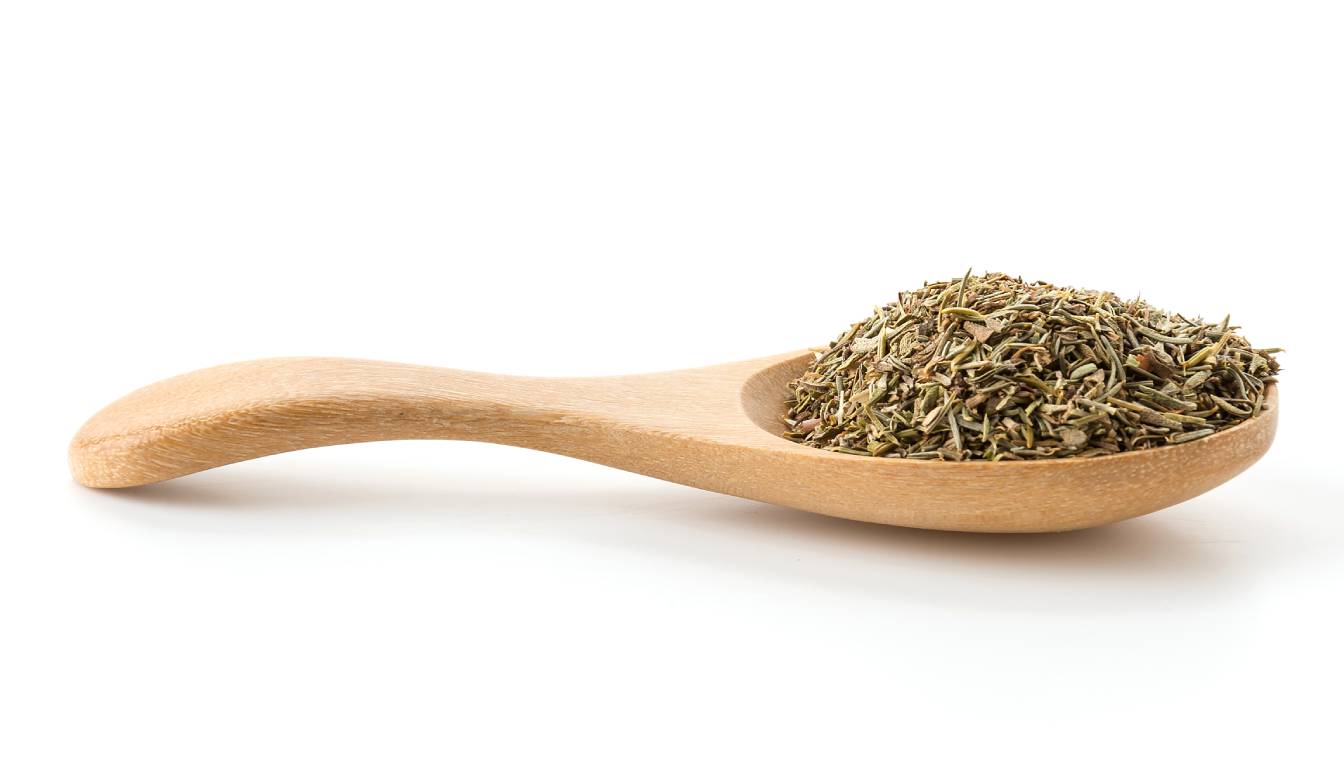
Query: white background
<point x="595" y="188"/>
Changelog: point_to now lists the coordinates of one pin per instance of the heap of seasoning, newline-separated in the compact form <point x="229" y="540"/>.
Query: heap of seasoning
<point x="997" y="369"/>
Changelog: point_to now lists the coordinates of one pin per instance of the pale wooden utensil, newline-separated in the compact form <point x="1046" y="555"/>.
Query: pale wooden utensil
<point x="716" y="428"/>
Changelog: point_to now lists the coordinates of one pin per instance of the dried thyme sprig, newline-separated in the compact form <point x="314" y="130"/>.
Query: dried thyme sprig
<point x="994" y="368"/>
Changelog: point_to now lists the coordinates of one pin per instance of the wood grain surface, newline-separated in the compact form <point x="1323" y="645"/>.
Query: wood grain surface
<point x="715" y="428"/>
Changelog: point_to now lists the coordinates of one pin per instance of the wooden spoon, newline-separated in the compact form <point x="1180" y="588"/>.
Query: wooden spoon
<point x="716" y="428"/>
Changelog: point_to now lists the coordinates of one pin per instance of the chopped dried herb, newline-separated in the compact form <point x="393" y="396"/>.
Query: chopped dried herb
<point x="994" y="368"/>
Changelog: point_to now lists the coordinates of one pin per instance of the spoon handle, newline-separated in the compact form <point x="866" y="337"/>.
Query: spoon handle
<point x="231" y="413"/>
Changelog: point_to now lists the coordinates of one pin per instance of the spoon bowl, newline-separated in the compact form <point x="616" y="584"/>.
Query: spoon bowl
<point x="715" y="428"/>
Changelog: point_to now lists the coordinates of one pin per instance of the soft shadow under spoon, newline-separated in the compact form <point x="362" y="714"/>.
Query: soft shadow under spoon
<point x="715" y="428"/>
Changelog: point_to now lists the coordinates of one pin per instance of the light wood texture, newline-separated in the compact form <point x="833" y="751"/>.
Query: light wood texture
<point x="715" y="428"/>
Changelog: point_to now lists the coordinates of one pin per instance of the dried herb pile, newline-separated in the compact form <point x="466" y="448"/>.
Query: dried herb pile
<point x="994" y="368"/>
